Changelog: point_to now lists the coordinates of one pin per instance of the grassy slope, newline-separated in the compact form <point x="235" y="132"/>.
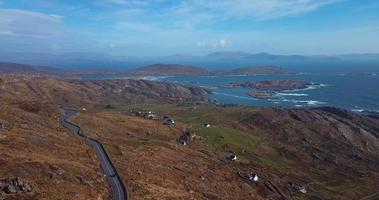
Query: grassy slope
<point x="272" y="158"/>
<point x="225" y="133"/>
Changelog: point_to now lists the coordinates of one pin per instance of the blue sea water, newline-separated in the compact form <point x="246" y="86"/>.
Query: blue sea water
<point x="353" y="92"/>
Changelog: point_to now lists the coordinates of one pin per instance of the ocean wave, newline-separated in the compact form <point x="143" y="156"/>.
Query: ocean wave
<point x="154" y="78"/>
<point x="308" y="102"/>
<point x="237" y="75"/>
<point x="292" y="94"/>
<point x="358" y="110"/>
<point x="361" y="110"/>
<point x="207" y="76"/>
<point x="235" y="96"/>
<point x="311" y="87"/>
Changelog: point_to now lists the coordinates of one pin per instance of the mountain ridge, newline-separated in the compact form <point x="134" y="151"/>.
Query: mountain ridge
<point x="211" y="60"/>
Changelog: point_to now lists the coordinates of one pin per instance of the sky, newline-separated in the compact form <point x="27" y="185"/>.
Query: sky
<point x="195" y="27"/>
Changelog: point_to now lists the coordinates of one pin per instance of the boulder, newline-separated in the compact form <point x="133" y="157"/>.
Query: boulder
<point x="3" y="124"/>
<point x="10" y="189"/>
<point x="14" y="185"/>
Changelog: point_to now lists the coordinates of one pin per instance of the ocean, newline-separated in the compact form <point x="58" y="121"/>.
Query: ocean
<point x="355" y="92"/>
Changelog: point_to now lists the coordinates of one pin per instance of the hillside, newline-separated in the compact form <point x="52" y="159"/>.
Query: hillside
<point x="77" y="92"/>
<point x="168" y="70"/>
<point x="333" y="153"/>
<point x="36" y="149"/>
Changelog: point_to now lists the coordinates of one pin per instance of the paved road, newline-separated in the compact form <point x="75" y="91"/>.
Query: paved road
<point x="119" y="191"/>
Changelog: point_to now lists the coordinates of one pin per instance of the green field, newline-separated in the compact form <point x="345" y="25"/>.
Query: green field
<point x="225" y="133"/>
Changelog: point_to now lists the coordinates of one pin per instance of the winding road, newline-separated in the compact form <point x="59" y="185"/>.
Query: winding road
<point x="119" y="191"/>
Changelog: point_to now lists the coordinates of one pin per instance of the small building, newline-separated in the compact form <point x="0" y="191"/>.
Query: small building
<point x="84" y="109"/>
<point x="302" y="189"/>
<point x="185" y="137"/>
<point x="298" y="188"/>
<point x="253" y="177"/>
<point x="232" y="157"/>
<point x="206" y="125"/>
<point x="168" y="121"/>
<point x="151" y="116"/>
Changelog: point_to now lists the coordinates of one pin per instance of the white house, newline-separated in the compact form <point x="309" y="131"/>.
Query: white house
<point x="206" y="125"/>
<point x="232" y="157"/>
<point x="253" y="177"/>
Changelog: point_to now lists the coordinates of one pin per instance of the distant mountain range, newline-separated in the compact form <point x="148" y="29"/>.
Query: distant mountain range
<point x="213" y="61"/>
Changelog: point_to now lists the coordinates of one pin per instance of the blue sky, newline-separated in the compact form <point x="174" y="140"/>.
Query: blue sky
<point x="164" y="27"/>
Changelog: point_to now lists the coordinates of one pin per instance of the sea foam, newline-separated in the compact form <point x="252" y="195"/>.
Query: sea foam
<point x="235" y="96"/>
<point x="292" y="94"/>
<point x="308" y="102"/>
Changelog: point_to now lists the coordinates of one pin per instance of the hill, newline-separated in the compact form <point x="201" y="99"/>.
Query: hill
<point x="82" y="92"/>
<point x="13" y="68"/>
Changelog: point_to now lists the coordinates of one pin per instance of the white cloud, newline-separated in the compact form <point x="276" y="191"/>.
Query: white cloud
<point x="129" y="3"/>
<point x="223" y="43"/>
<point x="27" y="23"/>
<point x="267" y="9"/>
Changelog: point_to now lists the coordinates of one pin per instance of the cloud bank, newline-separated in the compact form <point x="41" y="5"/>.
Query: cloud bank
<point x="29" y="24"/>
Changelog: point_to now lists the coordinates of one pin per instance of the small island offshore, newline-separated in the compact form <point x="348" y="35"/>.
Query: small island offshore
<point x="268" y="89"/>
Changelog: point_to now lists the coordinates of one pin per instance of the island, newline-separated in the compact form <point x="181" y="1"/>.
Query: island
<point x="268" y="89"/>
<point x="188" y="70"/>
<point x="168" y="70"/>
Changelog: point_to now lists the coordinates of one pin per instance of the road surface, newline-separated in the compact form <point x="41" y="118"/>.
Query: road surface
<point x="119" y="191"/>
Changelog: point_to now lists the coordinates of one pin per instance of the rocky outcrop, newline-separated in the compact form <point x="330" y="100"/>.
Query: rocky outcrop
<point x="14" y="186"/>
<point x="3" y="124"/>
